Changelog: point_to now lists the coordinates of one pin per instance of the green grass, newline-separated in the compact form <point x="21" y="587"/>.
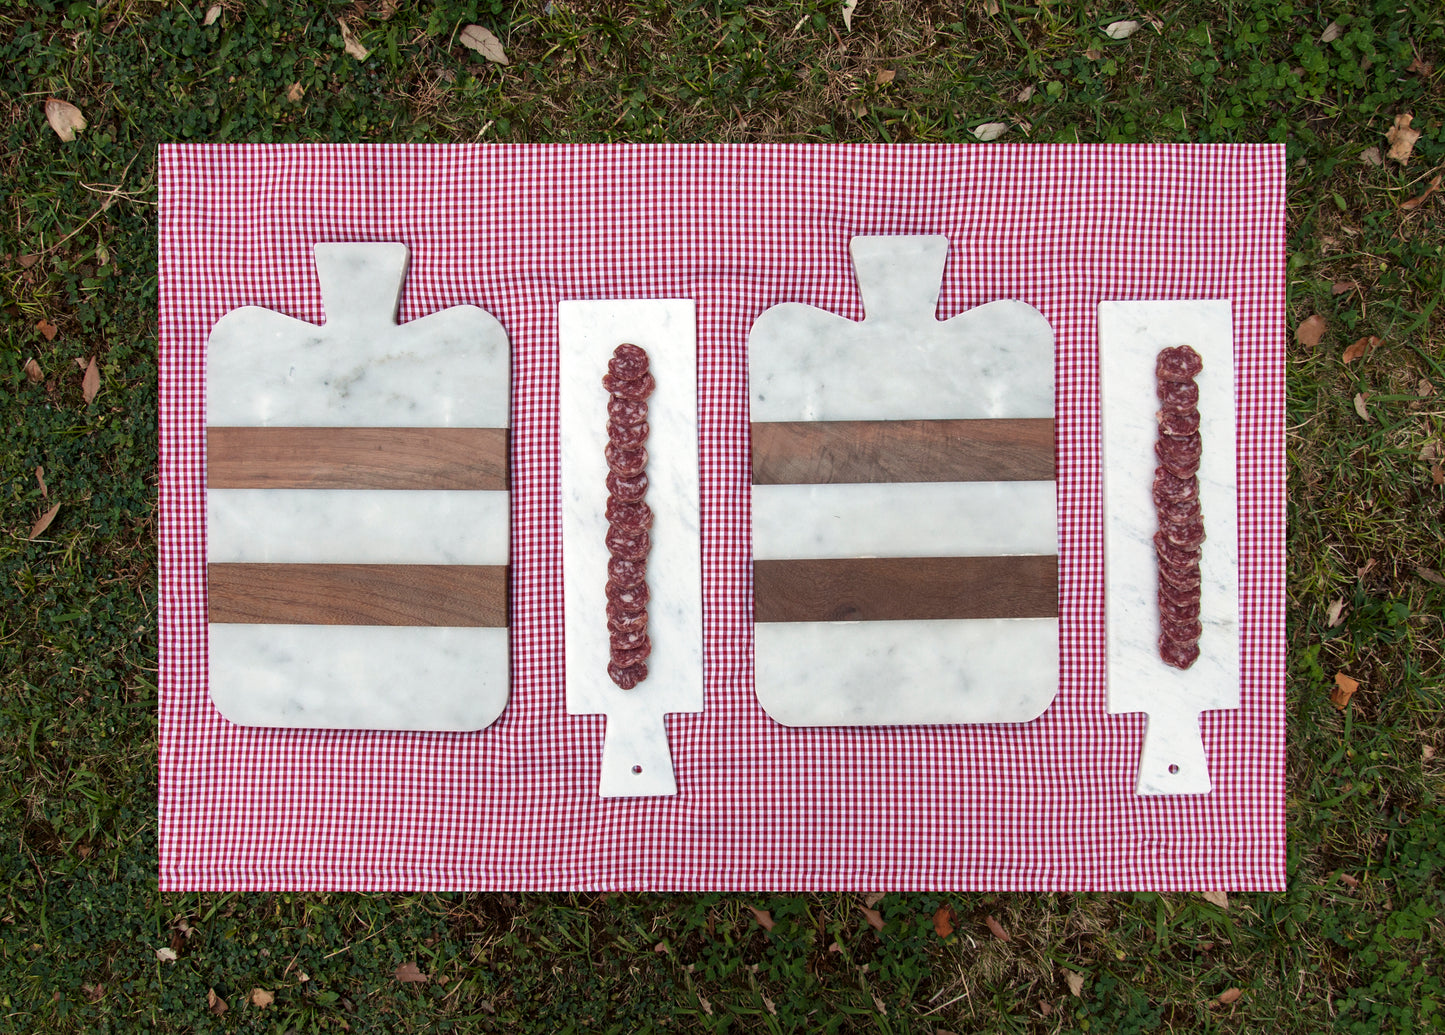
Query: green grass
<point x="1354" y="945"/>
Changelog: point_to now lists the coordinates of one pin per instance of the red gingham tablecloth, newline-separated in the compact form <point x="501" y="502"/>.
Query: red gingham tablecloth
<point x="1047" y="805"/>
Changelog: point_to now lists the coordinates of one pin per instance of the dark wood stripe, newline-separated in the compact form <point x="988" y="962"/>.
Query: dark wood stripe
<point x="904" y="588"/>
<point x="356" y="458"/>
<point x="812" y="452"/>
<point x="358" y="594"/>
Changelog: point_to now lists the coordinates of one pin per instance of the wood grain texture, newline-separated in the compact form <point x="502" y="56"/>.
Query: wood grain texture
<point x="812" y="452"/>
<point x="356" y="458"/>
<point x="359" y="594"/>
<point x="905" y="588"/>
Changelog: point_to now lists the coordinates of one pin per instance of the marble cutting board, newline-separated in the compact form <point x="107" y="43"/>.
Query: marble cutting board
<point x="1172" y="759"/>
<point x="904" y="519"/>
<point x="636" y="759"/>
<point x="357" y="508"/>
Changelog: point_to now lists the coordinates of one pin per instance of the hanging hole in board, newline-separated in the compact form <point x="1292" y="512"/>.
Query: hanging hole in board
<point x="1172" y="769"/>
<point x="637" y="769"/>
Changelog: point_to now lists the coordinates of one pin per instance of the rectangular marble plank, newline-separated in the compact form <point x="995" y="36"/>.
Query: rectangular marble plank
<point x="356" y="458"/>
<point x="359" y="677"/>
<point x="796" y="452"/>
<point x="358" y="594"/>
<point x="889" y="589"/>
<point x="636" y="759"/>
<point x="904" y="519"/>
<point x="904" y="673"/>
<point x="360" y="526"/>
<point x="1130" y="337"/>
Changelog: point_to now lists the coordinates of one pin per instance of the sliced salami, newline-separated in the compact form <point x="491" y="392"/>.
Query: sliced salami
<point x="636" y="517"/>
<point x="627" y="436"/>
<point x="1182" y="580"/>
<point x="1180" y="363"/>
<point x="636" y="391"/>
<point x="1179" y="456"/>
<point x="634" y="657"/>
<point x="626" y="411"/>
<point x="628" y="596"/>
<point x="1177" y="654"/>
<point x="1170" y="488"/>
<point x="1170" y="610"/>
<point x="628" y="544"/>
<point x="627" y="490"/>
<point x="626" y="463"/>
<point x="629" y="383"/>
<point x="1177" y="422"/>
<point x="1178" y="396"/>
<point x="628" y="641"/>
<point x="628" y="362"/>
<point x="1181" y="632"/>
<point x="628" y="676"/>
<point x="1180" y="537"/>
<point x="621" y="620"/>
<point x="625" y="573"/>
<point x="1187" y="535"/>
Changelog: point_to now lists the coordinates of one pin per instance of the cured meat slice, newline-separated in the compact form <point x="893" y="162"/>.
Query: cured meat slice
<point x="1178" y="422"/>
<point x="627" y="436"/>
<point x="1170" y="611"/>
<point x="628" y="596"/>
<point x="1178" y="396"/>
<point x="629" y="545"/>
<point x="1178" y="542"/>
<point x="1170" y="488"/>
<point x="1187" y="535"/>
<point x="1180" y="363"/>
<point x="625" y="573"/>
<point x="626" y="411"/>
<point x="628" y="362"/>
<point x="1179" y="456"/>
<point x="626" y="463"/>
<point x="636" y="517"/>
<point x="629" y="382"/>
<point x="1181" y="580"/>
<point x="633" y="657"/>
<point x="1183" y="513"/>
<point x="636" y="391"/>
<point x="628" y="640"/>
<point x="1177" y="654"/>
<point x="627" y="676"/>
<point x="627" y="490"/>
<point x="1183" y="633"/>
<point x="624" y="620"/>
<point x="1172" y="554"/>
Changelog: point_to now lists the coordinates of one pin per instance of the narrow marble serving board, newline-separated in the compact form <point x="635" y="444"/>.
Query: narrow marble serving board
<point x="1172" y="759"/>
<point x="357" y="509"/>
<point x="904" y="515"/>
<point x="636" y="758"/>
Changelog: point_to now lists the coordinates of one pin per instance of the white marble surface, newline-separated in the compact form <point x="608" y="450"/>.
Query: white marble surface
<point x="357" y="526"/>
<point x="903" y="673"/>
<point x="902" y="363"/>
<point x="359" y="677"/>
<point x="636" y="759"/>
<point x="903" y="519"/>
<point x="360" y="368"/>
<point x="1130" y="337"/>
<point x="996" y="360"/>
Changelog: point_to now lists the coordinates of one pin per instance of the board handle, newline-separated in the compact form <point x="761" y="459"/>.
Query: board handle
<point x="1172" y="761"/>
<point x="636" y="759"/>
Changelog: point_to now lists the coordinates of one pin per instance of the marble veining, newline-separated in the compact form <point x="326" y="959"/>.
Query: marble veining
<point x="1130" y="337"/>
<point x="357" y="526"/>
<point x="636" y="758"/>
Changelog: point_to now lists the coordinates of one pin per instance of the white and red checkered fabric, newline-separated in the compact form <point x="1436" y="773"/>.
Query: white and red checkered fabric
<point x="1044" y="805"/>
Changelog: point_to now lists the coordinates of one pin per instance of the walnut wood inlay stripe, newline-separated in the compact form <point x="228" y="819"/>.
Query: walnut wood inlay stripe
<point x="905" y="588"/>
<point x="473" y="595"/>
<point x="356" y="458"/>
<point x="812" y="452"/>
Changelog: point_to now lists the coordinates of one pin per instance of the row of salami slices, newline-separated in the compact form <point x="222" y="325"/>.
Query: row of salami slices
<point x="629" y="519"/>
<point x="1178" y="542"/>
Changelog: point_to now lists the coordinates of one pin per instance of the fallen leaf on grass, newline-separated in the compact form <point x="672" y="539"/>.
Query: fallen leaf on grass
<point x="885" y="76"/>
<point x="1217" y="898"/>
<point x="262" y="998"/>
<point x="475" y="37"/>
<point x="1332" y="32"/>
<point x="996" y="929"/>
<point x="873" y="898"/>
<point x="874" y="918"/>
<point x="1349" y="880"/>
<point x="47" y="328"/>
<point x="409" y="974"/>
<point x="1341" y="286"/>
<point x="1427" y="752"/>
<point x="166" y="955"/>
<point x="1075" y="982"/>
<point x="1361" y="399"/>
<point x="1420" y="67"/>
<point x="1094" y="54"/>
<point x="33" y="371"/>
<point x="1366" y="568"/>
<point x="1345" y="688"/>
<point x="1045" y="1009"/>
<point x="1311" y="331"/>
<point x="211" y="15"/>
<point x="1230" y="995"/>
<point x="943" y="920"/>
<point x="1402" y="138"/>
<point x="66" y="119"/>
<point x="763" y="917"/>
<point x="93" y="993"/>
<point x="770" y="1006"/>
<point x="1361" y="348"/>
<point x="1336" y="613"/>
<point x="295" y="92"/>
<point x="706" y="1006"/>
<point x="90" y="384"/>
<point x="1431" y="575"/>
<point x="1414" y="203"/>
<point x="1372" y="156"/>
<point x="1121" y="30"/>
<point x="351" y="43"/>
<point x="1024" y="94"/>
<point x="40" y="477"/>
<point x="990" y="7"/>
<point x="215" y="1003"/>
<point x="990" y="131"/>
<point x="40" y="526"/>
<point x="847" y="12"/>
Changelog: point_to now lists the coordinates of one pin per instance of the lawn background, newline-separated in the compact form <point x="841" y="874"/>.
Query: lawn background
<point x="88" y="944"/>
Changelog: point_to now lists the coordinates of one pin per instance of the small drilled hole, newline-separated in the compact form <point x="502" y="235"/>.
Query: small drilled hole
<point x="637" y="769"/>
<point x="1172" y="769"/>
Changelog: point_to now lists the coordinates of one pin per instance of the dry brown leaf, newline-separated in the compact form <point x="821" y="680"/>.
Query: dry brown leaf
<point x="1402" y="138"/>
<point x="1045" y="1009"/>
<point x="1230" y="995"/>
<point x="1427" y="752"/>
<point x="212" y="15"/>
<point x="44" y="521"/>
<point x="262" y="998"/>
<point x="1361" y="399"/>
<point x="943" y="920"/>
<point x="1332" y="32"/>
<point x="1426" y="389"/>
<point x="873" y="898"/>
<point x="102" y="254"/>
<point x="33" y="371"/>
<point x="1361" y="348"/>
<point x="1366" y="568"/>
<point x="885" y="76"/>
<point x="1430" y="575"/>
<point x="388" y="8"/>
<point x="1414" y="203"/>
<point x="1121" y="30"/>
<point x="706" y="1006"/>
<point x="1217" y="898"/>
<point x="847" y="12"/>
<point x="90" y="384"/>
<point x="1075" y="982"/>
<point x="1024" y="94"/>
<point x="475" y="37"/>
<point x="996" y="929"/>
<point x="1349" y="880"/>
<point x="215" y="1003"/>
<point x="65" y="118"/>
<point x="28" y="259"/>
<point x="1336" y="613"/>
<point x="47" y="328"/>
<point x="1345" y="688"/>
<point x="295" y="92"/>
<point x="770" y="1006"/>
<point x="1094" y="54"/>
<point x="351" y="43"/>
<point x="94" y="993"/>
<point x="1341" y="286"/>
<point x="878" y="1003"/>
<point x="874" y="918"/>
<point x="1437" y="474"/>
<point x="166" y="955"/>
<point x="1372" y="156"/>
<point x="1311" y="331"/>
<point x="1420" y="67"/>
<point x="409" y="974"/>
<point x="40" y="477"/>
<point x="991" y="7"/>
<point x="763" y="917"/>
<point x="80" y="362"/>
<point x="990" y="131"/>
